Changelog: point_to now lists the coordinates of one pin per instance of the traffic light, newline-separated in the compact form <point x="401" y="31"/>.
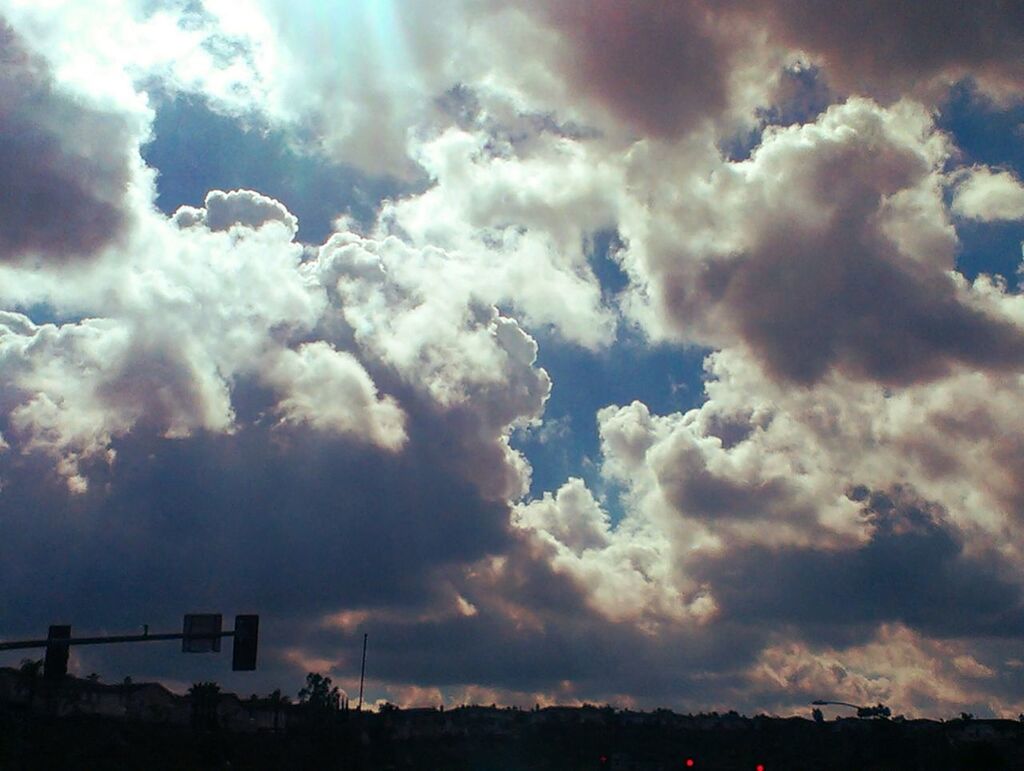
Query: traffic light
<point x="243" y="654"/>
<point x="56" y="663"/>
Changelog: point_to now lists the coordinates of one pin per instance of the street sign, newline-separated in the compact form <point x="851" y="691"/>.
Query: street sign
<point x="201" y="633"/>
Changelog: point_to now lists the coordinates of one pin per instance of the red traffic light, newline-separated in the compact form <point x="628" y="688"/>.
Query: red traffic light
<point x="690" y="762"/>
<point x="759" y="767"/>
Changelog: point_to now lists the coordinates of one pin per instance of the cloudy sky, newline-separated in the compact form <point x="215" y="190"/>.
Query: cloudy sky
<point x="660" y="354"/>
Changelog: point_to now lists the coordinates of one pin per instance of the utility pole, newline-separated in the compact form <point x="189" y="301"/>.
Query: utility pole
<point x="362" y="675"/>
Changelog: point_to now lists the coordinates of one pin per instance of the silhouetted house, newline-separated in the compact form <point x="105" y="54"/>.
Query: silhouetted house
<point x="265" y="715"/>
<point x="477" y="719"/>
<point x="232" y="713"/>
<point x="628" y="717"/>
<point x="153" y="703"/>
<point x="150" y="702"/>
<point x="9" y="681"/>
<point x="556" y="716"/>
<point x="974" y="731"/>
<point x="419" y="722"/>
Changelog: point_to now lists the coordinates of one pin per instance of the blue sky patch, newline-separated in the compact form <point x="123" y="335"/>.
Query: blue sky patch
<point x="196" y="149"/>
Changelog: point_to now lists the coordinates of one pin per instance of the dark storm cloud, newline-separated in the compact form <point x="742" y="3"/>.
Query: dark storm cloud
<point x="64" y="166"/>
<point x="914" y="570"/>
<point x="885" y="322"/>
<point x="296" y="528"/>
<point x="884" y="48"/>
<point x="285" y="524"/>
<point x="657" y="65"/>
<point x="534" y="631"/>
<point x="692" y="487"/>
<point x="666" y="68"/>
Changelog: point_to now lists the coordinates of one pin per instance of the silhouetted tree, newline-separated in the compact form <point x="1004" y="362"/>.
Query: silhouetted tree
<point x="879" y="710"/>
<point x="29" y="676"/>
<point x="204" y="698"/>
<point x="817" y="715"/>
<point x="319" y="695"/>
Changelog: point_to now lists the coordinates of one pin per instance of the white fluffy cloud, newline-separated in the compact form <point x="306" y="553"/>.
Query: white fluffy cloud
<point x="330" y="390"/>
<point x="223" y="294"/>
<point x="987" y="195"/>
<point x="830" y="247"/>
<point x="244" y="208"/>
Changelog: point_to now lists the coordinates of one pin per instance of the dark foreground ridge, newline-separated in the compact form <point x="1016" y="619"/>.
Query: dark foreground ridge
<point x="84" y="724"/>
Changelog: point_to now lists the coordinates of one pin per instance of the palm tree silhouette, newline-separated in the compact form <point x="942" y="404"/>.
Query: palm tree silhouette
<point x="205" y="698"/>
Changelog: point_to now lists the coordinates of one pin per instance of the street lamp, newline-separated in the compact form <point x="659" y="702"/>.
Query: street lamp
<point x="878" y="711"/>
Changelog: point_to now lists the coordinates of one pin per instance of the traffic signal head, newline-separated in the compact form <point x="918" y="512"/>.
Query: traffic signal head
<point x="243" y="656"/>
<point x="56" y="664"/>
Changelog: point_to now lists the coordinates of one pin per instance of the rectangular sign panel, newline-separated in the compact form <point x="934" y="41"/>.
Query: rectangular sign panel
<point x="201" y="633"/>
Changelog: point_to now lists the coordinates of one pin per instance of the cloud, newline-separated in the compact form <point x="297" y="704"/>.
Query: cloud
<point x="70" y="389"/>
<point x="199" y="314"/>
<point x="912" y="570"/>
<point x="829" y="249"/>
<point x="238" y="394"/>
<point x="329" y="390"/>
<point x="666" y="70"/>
<point x="662" y="69"/>
<point x="989" y="196"/>
<point x="515" y="221"/>
<point x="885" y="51"/>
<point x="897" y="667"/>
<point x="66" y="165"/>
<point x="785" y="513"/>
<point x="216" y="414"/>
<point x="244" y="208"/>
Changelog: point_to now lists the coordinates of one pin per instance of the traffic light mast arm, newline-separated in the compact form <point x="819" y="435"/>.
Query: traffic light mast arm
<point x="122" y="638"/>
<point x="201" y="633"/>
<point x="823" y="702"/>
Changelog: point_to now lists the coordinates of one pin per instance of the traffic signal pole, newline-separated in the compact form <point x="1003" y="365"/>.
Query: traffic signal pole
<point x="123" y="638"/>
<point x="201" y="633"/>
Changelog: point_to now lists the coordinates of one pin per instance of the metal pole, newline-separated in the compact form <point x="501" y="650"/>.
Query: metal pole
<point x="125" y="638"/>
<point x="362" y="675"/>
<point x="823" y="702"/>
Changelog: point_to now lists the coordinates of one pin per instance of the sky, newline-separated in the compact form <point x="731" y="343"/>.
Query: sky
<point x="653" y="354"/>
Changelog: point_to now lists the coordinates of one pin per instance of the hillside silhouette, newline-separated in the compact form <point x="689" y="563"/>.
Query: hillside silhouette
<point x="81" y="723"/>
